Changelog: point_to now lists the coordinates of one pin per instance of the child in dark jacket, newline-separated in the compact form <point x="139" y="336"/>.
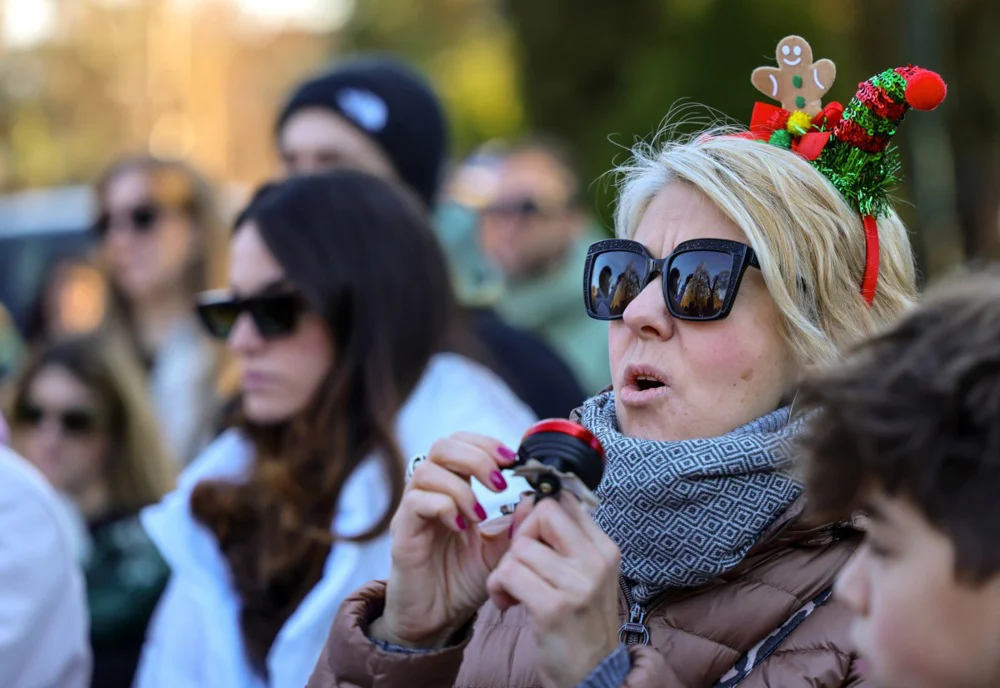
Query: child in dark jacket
<point x="909" y="434"/>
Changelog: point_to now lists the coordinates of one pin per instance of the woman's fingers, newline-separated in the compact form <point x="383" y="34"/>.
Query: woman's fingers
<point x="428" y="507"/>
<point x="492" y="446"/>
<point x="545" y="562"/>
<point x="514" y="583"/>
<point x="582" y="517"/>
<point x="550" y="523"/>
<point x="568" y="530"/>
<point x="430" y="477"/>
<point x="479" y="458"/>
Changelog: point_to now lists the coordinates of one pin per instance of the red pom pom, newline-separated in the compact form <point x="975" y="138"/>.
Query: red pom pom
<point x="925" y="90"/>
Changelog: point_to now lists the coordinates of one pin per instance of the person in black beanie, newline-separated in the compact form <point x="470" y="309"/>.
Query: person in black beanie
<point x="377" y="114"/>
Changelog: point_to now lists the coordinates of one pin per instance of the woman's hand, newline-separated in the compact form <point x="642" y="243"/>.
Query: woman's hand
<point x="441" y="555"/>
<point x="564" y="570"/>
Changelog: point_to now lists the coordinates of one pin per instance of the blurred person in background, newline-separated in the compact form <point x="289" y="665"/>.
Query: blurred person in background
<point x="81" y="416"/>
<point x="537" y="230"/>
<point x="11" y="345"/>
<point x="43" y="613"/>
<point x="340" y="311"/>
<point x="72" y="301"/>
<point x="377" y="114"/>
<point x="161" y="241"/>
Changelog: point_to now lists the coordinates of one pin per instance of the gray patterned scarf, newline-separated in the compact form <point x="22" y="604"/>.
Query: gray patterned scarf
<point x="684" y="512"/>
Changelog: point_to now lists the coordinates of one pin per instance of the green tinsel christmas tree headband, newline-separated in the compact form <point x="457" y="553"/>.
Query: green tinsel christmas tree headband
<point x="849" y="145"/>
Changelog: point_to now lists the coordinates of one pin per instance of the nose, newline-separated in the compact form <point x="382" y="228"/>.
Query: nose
<point x="647" y="314"/>
<point x="852" y="583"/>
<point x="49" y="436"/>
<point x="245" y="339"/>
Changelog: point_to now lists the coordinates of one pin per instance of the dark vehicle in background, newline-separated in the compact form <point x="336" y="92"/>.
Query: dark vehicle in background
<point x="45" y="241"/>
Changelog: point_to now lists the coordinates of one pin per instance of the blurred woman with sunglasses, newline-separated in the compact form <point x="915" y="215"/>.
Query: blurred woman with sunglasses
<point x="738" y="266"/>
<point x="162" y="241"/>
<point x="80" y="415"/>
<point x="339" y="309"/>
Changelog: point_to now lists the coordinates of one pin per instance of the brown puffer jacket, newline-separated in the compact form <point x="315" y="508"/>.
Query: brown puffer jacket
<point x="696" y="635"/>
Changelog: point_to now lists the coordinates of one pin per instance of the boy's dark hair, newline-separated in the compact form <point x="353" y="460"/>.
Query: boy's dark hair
<point x="915" y="411"/>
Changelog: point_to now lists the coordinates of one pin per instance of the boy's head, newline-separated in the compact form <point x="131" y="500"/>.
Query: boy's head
<point x="909" y="431"/>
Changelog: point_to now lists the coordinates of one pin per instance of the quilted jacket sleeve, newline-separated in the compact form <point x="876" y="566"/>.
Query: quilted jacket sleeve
<point x="351" y="660"/>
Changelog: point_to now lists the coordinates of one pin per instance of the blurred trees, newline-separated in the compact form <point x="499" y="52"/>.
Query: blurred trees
<point x="465" y="46"/>
<point x="189" y="80"/>
<point x="593" y="69"/>
<point x="188" y="77"/>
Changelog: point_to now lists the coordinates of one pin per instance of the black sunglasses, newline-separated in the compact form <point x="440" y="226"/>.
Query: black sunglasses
<point x="274" y="315"/>
<point x="141" y="219"/>
<point x="77" y="422"/>
<point x="700" y="278"/>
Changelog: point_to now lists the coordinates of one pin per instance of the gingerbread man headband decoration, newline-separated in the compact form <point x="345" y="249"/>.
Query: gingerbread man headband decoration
<point x="797" y="81"/>
<point x="849" y="145"/>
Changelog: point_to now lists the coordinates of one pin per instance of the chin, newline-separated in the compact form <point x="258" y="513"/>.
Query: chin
<point x="136" y="287"/>
<point x="265" y="411"/>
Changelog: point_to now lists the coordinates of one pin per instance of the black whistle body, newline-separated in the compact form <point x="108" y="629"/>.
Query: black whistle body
<point x="564" y="447"/>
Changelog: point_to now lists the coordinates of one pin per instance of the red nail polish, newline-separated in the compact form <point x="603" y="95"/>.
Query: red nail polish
<point x="497" y="479"/>
<point x="480" y="511"/>
<point x="506" y="454"/>
<point x="460" y="521"/>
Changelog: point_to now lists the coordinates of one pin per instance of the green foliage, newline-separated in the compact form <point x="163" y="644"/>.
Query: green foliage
<point x="595" y="69"/>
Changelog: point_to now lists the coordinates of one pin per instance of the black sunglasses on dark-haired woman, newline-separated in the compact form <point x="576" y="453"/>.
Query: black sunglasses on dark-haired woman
<point x="274" y="315"/>
<point x="700" y="277"/>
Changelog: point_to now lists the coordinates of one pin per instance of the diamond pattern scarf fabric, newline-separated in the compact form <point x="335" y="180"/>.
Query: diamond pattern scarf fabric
<point x="684" y="512"/>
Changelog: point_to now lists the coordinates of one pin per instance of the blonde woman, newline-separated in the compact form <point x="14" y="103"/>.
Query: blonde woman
<point x="161" y="241"/>
<point x="80" y="415"/>
<point x="698" y="568"/>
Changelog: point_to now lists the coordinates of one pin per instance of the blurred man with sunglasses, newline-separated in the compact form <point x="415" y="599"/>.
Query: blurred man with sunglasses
<point x="537" y="230"/>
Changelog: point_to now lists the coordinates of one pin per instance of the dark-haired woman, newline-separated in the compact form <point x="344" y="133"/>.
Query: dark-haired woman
<point x="338" y="308"/>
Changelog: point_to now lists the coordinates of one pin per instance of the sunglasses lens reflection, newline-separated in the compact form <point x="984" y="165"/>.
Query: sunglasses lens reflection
<point x="697" y="283"/>
<point x="616" y="279"/>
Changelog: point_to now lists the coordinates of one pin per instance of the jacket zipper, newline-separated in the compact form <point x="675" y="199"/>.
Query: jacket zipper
<point x="634" y="631"/>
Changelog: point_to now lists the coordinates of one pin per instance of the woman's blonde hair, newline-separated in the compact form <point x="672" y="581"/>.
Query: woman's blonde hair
<point x="810" y="243"/>
<point x="138" y="470"/>
<point x="177" y="184"/>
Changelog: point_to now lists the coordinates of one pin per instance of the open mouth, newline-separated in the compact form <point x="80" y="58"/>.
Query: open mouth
<point x="644" y="383"/>
<point x="645" y="378"/>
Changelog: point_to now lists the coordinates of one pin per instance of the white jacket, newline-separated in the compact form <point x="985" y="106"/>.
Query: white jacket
<point x="194" y="638"/>
<point x="44" y="625"/>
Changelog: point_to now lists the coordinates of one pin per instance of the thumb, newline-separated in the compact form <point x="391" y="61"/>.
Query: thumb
<point x="495" y="536"/>
<point x="498" y="533"/>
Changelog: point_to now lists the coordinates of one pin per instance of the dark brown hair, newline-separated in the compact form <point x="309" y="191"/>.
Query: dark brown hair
<point x="915" y="412"/>
<point x="138" y="470"/>
<point x="364" y="257"/>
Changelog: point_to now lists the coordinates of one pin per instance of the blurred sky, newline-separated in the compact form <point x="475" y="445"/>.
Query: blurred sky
<point x="29" y="22"/>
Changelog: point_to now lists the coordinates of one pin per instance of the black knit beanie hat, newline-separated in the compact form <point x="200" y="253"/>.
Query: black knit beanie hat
<point x="391" y="103"/>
